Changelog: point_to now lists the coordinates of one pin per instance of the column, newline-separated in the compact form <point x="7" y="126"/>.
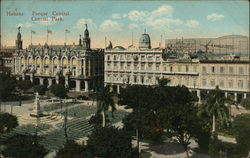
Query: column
<point x="84" y="67"/>
<point x="57" y="79"/>
<point x="50" y="82"/>
<point x="235" y="97"/>
<point x="78" y="88"/>
<point x="86" y="86"/>
<point x="23" y="76"/>
<point x="118" y="89"/>
<point x="226" y="94"/>
<point x="41" y="81"/>
<point x="90" y="67"/>
<point x="31" y="78"/>
<point x="199" y="95"/>
<point x="245" y="96"/>
<point x="66" y="81"/>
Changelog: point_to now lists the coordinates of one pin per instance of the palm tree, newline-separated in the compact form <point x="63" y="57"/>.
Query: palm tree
<point x="215" y="107"/>
<point x="104" y="101"/>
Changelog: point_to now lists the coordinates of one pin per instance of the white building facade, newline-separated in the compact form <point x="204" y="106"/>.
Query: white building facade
<point x="144" y="66"/>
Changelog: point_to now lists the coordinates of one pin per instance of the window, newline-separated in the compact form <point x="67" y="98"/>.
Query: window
<point x="149" y="66"/>
<point x="128" y="66"/>
<point x="195" y="68"/>
<point x="142" y="66"/>
<point x="157" y="58"/>
<point x="142" y="57"/>
<point x="122" y="66"/>
<point x="135" y="67"/>
<point x="157" y="67"/>
<point x="204" y="82"/>
<point x="221" y="84"/>
<point x="115" y="57"/>
<point x="165" y="67"/>
<point x="204" y="69"/>
<point x="171" y="69"/>
<point x="212" y="83"/>
<point x="135" y="79"/>
<point x="230" y="83"/>
<point x="213" y="69"/>
<point x="187" y="68"/>
<point x="231" y="70"/>
<point x="108" y="57"/>
<point x="240" y="84"/>
<point x="179" y="68"/>
<point x="115" y="66"/>
<point x="241" y="71"/>
<point x="222" y="70"/>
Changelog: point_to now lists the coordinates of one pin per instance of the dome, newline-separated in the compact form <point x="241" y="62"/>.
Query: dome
<point x="119" y="48"/>
<point x="144" y="42"/>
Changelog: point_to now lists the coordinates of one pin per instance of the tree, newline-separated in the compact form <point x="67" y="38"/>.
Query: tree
<point x="58" y="90"/>
<point x="41" y="89"/>
<point x="110" y="142"/>
<point x="61" y="92"/>
<point x="246" y="103"/>
<point x="104" y="102"/>
<point x="7" y="87"/>
<point x="20" y="146"/>
<point x="215" y="107"/>
<point x="7" y="122"/>
<point x="22" y="87"/>
<point x="182" y="120"/>
<point x="72" y="149"/>
<point x="241" y="127"/>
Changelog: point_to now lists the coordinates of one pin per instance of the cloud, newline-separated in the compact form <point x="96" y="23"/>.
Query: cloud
<point x="162" y="23"/>
<point x="81" y="23"/>
<point x="137" y="15"/>
<point x="192" y="23"/>
<point x="215" y="16"/>
<point x="118" y="16"/>
<point x="165" y="10"/>
<point x="27" y="25"/>
<point x="110" y="25"/>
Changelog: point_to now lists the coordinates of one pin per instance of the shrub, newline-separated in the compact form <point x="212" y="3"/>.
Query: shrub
<point x="241" y="127"/>
<point x="218" y="148"/>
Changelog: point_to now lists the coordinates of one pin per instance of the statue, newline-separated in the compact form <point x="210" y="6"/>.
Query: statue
<point x="36" y="112"/>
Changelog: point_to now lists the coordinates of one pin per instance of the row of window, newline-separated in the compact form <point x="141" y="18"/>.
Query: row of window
<point x="132" y="79"/>
<point x="230" y="83"/>
<point x="128" y="66"/>
<point x="222" y="70"/>
<point x="133" y="57"/>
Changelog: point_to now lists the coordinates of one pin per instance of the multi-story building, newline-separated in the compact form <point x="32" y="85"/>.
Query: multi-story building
<point x="233" y="77"/>
<point x="6" y="60"/>
<point x="77" y="66"/>
<point x="145" y="66"/>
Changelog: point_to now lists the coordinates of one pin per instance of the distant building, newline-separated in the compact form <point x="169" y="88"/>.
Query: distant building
<point x="6" y="60"/>
<point x="78" y="67"/>
<point x="145" y="65"/>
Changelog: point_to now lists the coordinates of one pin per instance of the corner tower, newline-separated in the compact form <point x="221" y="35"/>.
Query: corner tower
<point x="86" y="39"/>
<point x="19" y="41"/>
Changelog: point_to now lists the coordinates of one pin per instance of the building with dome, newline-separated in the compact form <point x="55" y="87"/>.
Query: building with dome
<point x="144" y="65"/>
<point x="78" y="67"/>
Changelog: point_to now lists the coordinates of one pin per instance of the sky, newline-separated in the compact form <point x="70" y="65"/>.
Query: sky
<point x="118" y="19"/>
